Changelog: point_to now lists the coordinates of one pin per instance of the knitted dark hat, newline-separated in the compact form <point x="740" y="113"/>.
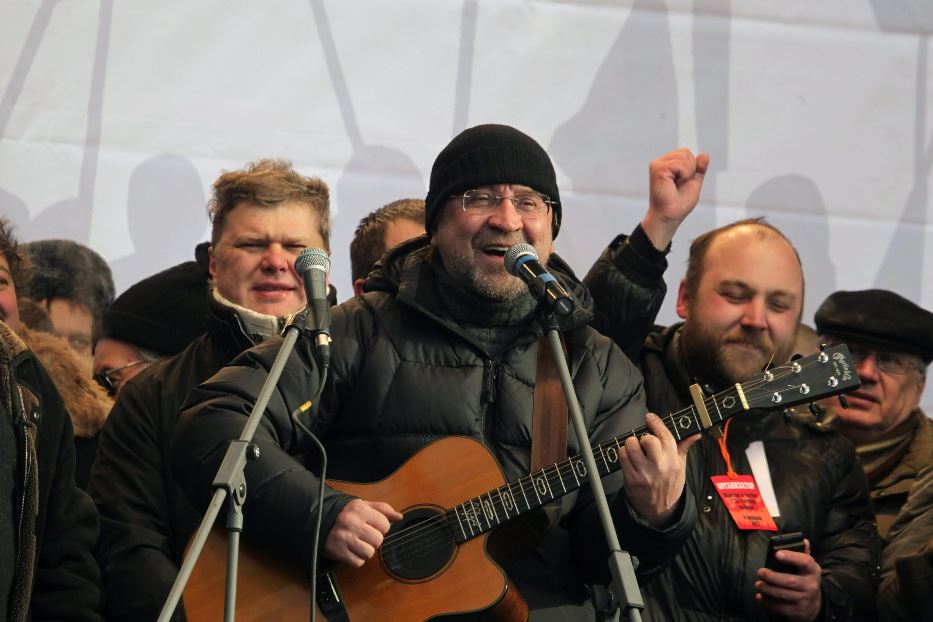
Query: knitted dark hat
<point x="162" y="313"/>
<point x="486" y="155"/>
<point x="878" y="316"/>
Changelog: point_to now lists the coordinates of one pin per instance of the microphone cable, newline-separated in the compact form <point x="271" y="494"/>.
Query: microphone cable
<point x="295" y="417"/>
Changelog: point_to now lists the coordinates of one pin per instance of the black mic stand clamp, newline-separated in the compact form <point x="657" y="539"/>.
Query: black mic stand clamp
<point x="624" y="588"/>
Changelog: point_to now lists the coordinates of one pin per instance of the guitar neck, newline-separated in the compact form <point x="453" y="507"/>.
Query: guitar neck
<point x="813" y="377"/>
<point x="491" y="509"/>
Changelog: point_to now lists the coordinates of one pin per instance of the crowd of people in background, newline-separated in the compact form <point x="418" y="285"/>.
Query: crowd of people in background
<point x="118" y="409"/>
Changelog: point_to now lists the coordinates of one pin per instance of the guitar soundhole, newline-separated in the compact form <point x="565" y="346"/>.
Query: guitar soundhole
<point x="418" y="546"/>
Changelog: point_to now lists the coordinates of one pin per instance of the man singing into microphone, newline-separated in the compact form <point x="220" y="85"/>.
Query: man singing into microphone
<point x="444" y="343"/>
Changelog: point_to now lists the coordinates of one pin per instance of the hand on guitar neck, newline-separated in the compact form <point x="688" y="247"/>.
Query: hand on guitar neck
<point x="358" y="531"/>
<point x="654" y="467"/>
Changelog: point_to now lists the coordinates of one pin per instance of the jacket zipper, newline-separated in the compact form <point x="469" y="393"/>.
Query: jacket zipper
<point x="490" y="373"/>
<point x="27" y="465"/>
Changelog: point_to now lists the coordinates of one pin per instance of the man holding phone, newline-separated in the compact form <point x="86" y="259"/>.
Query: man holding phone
<point x="741" y="302"/>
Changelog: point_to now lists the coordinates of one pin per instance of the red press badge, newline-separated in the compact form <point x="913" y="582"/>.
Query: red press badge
<point x="743" y="500"/>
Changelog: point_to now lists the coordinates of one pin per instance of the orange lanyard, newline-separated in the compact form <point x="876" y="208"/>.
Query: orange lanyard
<point x="725" y="450"/>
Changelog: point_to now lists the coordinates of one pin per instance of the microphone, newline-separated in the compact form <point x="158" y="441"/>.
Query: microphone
<point x="522" y="261"/>
<point x="313" y="264"/>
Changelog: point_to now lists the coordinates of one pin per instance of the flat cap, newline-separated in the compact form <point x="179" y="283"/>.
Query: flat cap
<point x="878" y="316"/>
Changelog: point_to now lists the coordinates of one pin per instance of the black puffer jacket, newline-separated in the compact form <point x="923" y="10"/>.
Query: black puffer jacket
<point x="54" y="575"/>
<point x="821" y="491"/>
<point x="145" y="519"/>
<point x="405" y="374"/>
<point x="628" y="287"/>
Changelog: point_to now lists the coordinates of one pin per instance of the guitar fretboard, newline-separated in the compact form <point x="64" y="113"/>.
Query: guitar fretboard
<point x="830" y="372"/>
<point x="491" y="509"/>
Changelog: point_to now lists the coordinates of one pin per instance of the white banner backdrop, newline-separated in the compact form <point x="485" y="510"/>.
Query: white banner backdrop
<point x="116" y="117"/>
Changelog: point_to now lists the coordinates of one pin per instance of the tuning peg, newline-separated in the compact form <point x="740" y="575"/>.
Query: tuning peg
<point x="843" y="401"/>
<point x="823" y="346"/>
<point x="816" y="410"/>
<point x="708" y="389"/>
<point x="788" y="417"/>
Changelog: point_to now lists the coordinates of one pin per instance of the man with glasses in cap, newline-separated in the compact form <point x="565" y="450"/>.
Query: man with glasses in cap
<point x="154" y="319"/>
<point x="891" y="339"/>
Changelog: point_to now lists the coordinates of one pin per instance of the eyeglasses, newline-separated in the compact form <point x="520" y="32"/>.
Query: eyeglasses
<point x="885" y="360"/>
<point x="109" y="381"/>
<point x="533" y="204"/>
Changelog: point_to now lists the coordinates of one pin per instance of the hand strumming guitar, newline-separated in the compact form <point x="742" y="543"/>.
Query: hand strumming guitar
<point x="654" y="466"/>
<point x="358" y="531"/>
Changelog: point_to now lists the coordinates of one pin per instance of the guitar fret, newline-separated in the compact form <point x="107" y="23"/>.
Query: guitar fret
<point x="693" y="412"/>
<point x="573" y="469"/>
<point x="522" y="488"/>
<point x="561" y="479"/>
<point x="470" y="516"/>
<point x="674" y="427"/>
<point x="507" y="500"/>
<point x="608" y="460"/>
<point x="614" y="460"/>
<point x="534" y="483"/>
<point x="582" y="468"/>
<point x="498" y="504"/>
<point x="718" y="412"/>
<point x="547" y="482"/>
<point x="489" y="510"/>
<point x="477" y="505"/>
<point x="460" y="522"/>
<point x="477" y="510"/>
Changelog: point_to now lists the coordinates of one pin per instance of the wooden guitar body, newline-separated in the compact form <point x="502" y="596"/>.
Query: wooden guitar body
<point x="425" y="577"/>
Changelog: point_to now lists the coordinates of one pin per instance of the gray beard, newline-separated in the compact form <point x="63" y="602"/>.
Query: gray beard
<point x="483" y="285"/>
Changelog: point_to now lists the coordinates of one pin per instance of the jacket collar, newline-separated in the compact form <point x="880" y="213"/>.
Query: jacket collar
<point x="227" y="327"/>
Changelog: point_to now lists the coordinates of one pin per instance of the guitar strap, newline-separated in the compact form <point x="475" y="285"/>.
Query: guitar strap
<point x="549" y="417"/>
<point x="548" y="445"/>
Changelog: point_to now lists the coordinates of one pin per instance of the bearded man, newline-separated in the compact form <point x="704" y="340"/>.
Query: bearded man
<point x="741" y="301"/>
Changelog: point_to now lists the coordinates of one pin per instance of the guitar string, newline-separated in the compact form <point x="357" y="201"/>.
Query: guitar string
<point x="567" y="467"/>
<point x="401" y="537"/>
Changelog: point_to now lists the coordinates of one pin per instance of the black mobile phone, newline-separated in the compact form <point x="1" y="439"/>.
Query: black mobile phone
<point x="792" y="541"/>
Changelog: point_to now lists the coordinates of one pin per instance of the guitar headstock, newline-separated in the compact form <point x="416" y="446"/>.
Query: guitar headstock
<point x="806" y="379"/>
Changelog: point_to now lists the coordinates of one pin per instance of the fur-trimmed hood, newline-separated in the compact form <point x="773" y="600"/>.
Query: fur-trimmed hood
<point x="87" y="403"/>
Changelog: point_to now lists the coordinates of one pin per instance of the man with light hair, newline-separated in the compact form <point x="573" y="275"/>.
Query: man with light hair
<point x="262" y="216"/>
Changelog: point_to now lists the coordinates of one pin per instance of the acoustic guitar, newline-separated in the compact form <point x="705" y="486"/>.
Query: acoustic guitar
<point x="434" y="562"/>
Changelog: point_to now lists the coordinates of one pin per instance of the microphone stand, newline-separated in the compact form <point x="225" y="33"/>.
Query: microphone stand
<point x="231" y="481"/>
<point x="624" y="584"/>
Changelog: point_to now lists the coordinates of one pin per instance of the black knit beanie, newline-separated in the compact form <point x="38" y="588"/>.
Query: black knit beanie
<point x="162" y="313"/>
<point x="485" y="155"/>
